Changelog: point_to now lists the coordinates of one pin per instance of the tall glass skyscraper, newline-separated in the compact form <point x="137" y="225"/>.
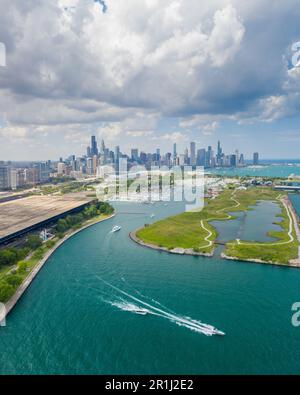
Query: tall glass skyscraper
<point x="94" y="148"/>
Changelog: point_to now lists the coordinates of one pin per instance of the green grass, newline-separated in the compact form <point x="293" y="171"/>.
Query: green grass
<point x="182" y="231"/>
<point x="185" y="231"/>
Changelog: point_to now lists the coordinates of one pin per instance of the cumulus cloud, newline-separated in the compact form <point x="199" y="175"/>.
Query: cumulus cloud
<point x="113" y="63"/>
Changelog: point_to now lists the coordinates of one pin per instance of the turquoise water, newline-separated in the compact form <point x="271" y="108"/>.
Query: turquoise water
<point x="261" y="171"/>
<point x="68" y="321"/>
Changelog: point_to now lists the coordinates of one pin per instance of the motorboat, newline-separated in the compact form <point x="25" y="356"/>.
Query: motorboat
<point x="152" y="215"/>
<point x="116" y="228"/>
<point x="217" y="332"/>
<point x="140" y="310"/>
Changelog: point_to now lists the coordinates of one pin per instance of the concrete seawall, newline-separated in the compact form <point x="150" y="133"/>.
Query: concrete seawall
<point x="32" y="275"/>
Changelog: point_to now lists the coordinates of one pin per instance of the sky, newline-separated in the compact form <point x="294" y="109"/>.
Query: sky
<point x="147" y="73"/>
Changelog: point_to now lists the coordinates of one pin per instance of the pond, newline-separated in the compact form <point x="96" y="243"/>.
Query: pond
<point x="252" y="225"/>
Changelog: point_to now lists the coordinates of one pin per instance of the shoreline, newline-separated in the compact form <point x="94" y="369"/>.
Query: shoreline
<point x="254" y="260"/>
<point x="177" y="251"/>
<point x="34" y="272"/>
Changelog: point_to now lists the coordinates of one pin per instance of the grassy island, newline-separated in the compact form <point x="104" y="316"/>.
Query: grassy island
<point x="193" y="230"/>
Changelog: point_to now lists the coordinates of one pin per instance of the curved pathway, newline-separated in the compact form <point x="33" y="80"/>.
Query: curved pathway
<point x="210" y="242"/>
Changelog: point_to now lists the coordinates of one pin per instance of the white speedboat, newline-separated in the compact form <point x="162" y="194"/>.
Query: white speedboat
<point x="217" y="332"/>
<point x="152" y="215"/>
<point x="140" y="310"/>
<point x="116" y="228"/>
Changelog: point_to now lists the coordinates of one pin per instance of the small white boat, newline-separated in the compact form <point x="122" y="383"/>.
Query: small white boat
<point x="140" y="310"/>
<point x="116" y="228"/>
<point x="152" y="215"/>
<point x="217" y="332"/>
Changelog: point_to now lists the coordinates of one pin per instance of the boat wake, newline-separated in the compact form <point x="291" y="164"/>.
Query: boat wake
<point x="187" y="322"/>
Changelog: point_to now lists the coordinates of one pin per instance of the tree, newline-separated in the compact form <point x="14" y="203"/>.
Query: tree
<point x="8" y="257"/>
<point x="34" y="242"/>
<point x="6" y="291"/>
<point x="61" y="226"/>
<point x="22" y="266"/>
<point x="14" y="280"/>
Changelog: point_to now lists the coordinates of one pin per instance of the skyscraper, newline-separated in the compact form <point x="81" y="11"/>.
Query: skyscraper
<point x="117" y="154"/>
<point x="255" y="158"/>
<point x="186" y="156"/>
<point x="5" y="177"/>
<point x="201" y="155"/>
<point x="193" y="154"/>
<point x="174" y="153"/>
<point x="94" y="148"/>
<point x="219" y="154"/>
<point x="134" y="154"/>
<point x="209" y="156"/>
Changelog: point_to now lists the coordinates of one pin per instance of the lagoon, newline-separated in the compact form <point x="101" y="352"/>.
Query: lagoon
<point x="252" y="225"/>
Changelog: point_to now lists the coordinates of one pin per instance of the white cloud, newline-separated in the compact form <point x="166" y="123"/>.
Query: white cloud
<point x="119" y="72"/>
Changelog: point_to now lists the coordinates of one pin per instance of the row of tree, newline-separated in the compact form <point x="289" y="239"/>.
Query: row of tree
<point x="89" y="212"/>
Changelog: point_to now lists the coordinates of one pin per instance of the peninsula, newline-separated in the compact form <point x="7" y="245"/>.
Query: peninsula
<point x="193" y="233"/>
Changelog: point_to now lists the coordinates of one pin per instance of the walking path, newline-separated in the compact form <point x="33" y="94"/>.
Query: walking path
<point x="210" y="242"/>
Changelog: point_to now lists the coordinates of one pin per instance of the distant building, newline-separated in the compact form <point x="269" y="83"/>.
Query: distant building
<point x="5" y="177"/>
<point x="94" y="148"/>
<point x="143" y="157"/>
<point x="61" y="168"/>
<point x="193" y="154"/>
<point x="89" y="166"/>
<point x="233" y="160"/>
<point x="134" y="154"/>
<point x="219" y="154"/>
<point x="255" y="158"/>
<point x="201" y="155"/>
<point x="186" y="156"/>
<point x="117" y="154"/>
<point x="95" y="164"/>
<point x="181" y="160"/>
<point x="209" y="157"/>
<point x="242" y="160"/>
<point x="174" y="153"/>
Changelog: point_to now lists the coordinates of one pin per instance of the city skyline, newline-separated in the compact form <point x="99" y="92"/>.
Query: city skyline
<point x="96" y="157"/>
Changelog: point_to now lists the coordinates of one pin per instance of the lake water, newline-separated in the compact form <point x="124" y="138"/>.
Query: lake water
<point x="72" y="319"/>
<point x="246" y="225"/>
<point x="259" y="171"/>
